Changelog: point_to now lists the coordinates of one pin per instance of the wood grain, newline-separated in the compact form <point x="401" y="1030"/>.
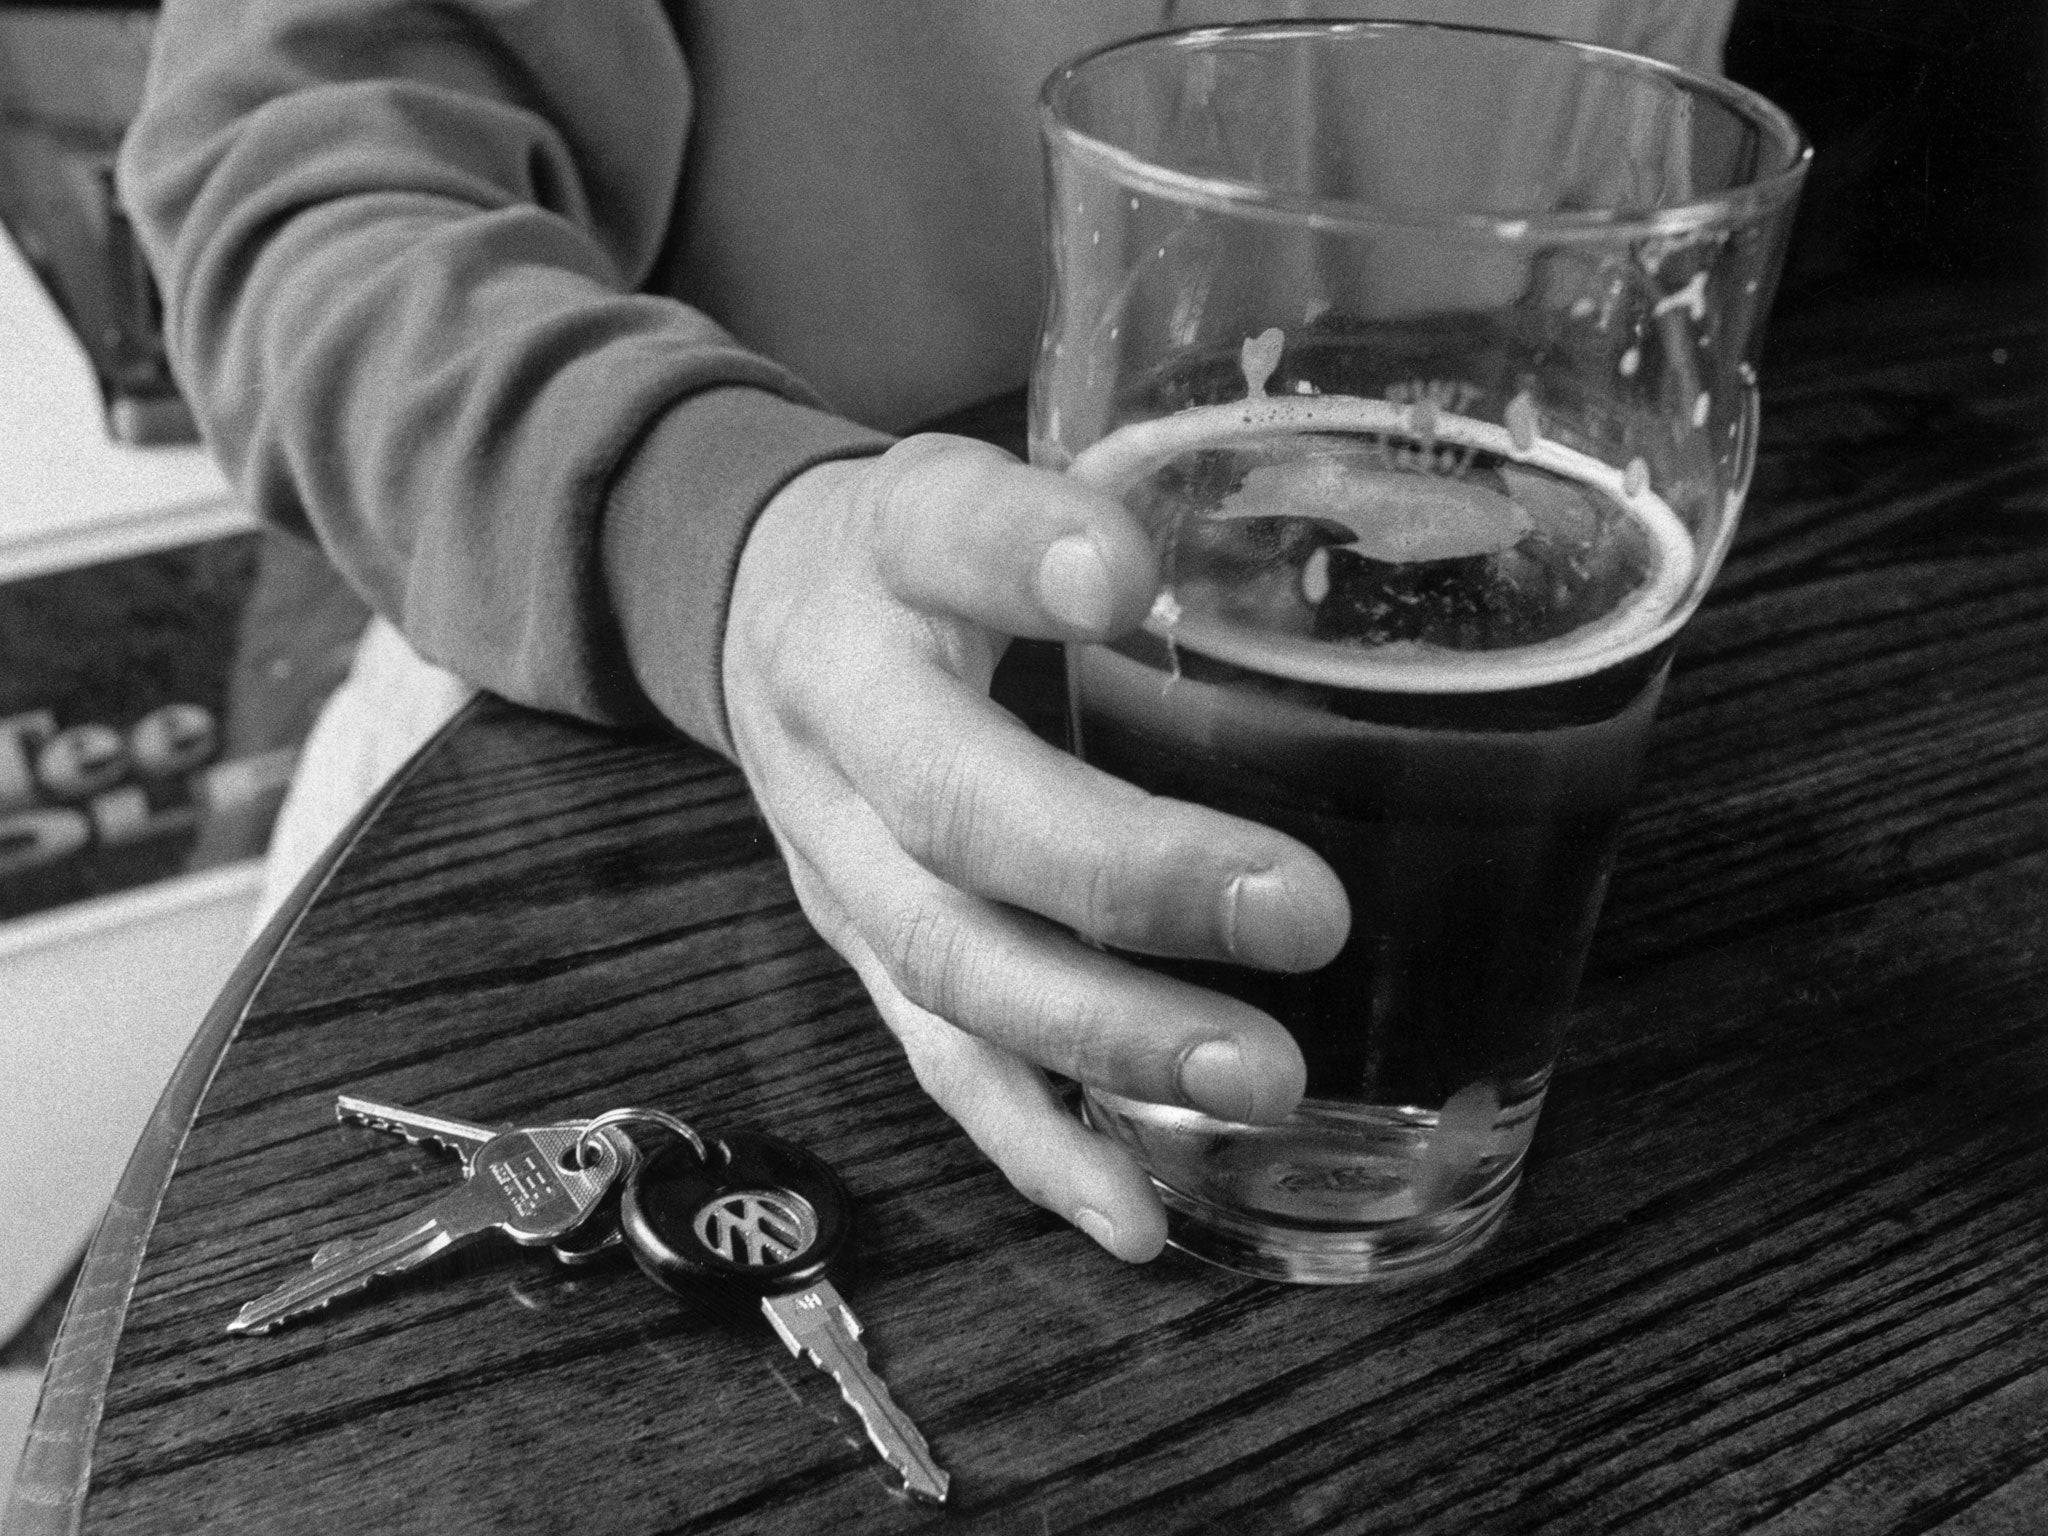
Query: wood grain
<point x="1775" y="1266"/>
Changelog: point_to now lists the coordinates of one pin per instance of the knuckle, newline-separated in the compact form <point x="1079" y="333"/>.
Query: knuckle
<point x="938" y="801"/>
<point x="1057" y="1018"/>
<point x="1110" y="906"/>
<point x="1147" y="886"/>
<point x="1090" y="1054"/>
<point x="921" y="448"/>
<point x="904" y="474"/>
<point x="929" y="955"/>
<point x="895" y="495"/>
<point x="927" y="473"/>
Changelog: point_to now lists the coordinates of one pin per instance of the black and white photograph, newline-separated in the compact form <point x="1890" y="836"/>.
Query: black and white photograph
<point x="1024" y="766"/>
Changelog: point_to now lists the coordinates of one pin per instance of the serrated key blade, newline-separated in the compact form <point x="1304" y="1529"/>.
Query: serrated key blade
<point x="815" y="1322"/>
<point x="462" y="1212"/>
<point x="464" y="1136"/>
<point x="528" y="1184"/>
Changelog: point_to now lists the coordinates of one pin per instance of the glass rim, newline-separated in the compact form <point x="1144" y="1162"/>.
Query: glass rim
<point x="1224" y="194"/>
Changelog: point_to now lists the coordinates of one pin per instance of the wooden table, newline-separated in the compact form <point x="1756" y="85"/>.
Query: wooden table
<point x="1780" y="1262"/>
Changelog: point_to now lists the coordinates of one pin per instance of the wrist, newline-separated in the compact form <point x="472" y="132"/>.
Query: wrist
<point x="674" y="524"/>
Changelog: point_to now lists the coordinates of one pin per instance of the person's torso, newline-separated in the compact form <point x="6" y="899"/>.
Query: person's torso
<point x="861" y="198"/>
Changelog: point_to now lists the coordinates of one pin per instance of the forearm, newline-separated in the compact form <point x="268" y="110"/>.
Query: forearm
<point x="399" y="245"/>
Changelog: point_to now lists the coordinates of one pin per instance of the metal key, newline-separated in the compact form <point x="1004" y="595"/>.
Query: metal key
<point x="763" y="1218"/>
<point x="600" y="1230"/>
<point x="467" y="1137"/>
<point x="529" y="1183"/>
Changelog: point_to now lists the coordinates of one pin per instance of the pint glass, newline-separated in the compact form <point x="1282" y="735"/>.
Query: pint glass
<point x="1426" y="356"/>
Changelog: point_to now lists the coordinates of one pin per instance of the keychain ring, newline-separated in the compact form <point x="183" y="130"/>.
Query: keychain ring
<point x="660" y="1117"/>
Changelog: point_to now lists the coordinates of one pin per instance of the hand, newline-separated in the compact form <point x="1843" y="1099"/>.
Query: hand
<point x="946" y="852"/>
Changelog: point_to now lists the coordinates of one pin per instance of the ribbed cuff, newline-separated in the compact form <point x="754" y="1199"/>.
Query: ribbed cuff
<point x="677" y="517"/>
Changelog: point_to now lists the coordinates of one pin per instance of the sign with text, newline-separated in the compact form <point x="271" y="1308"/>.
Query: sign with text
<point x="124" y="757"/>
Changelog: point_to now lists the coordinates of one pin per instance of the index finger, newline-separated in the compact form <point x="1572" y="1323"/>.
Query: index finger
<point x="973" y="796"/>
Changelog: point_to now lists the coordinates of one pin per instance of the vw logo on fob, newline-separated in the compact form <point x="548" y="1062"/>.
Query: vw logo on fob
<point x="757" y="1227"/>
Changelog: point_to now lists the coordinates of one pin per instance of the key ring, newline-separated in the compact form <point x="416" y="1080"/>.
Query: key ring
<point x="660" y="1117"/>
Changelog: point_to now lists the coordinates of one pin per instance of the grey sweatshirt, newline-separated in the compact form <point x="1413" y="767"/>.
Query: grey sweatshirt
<point x="526" y="308"/>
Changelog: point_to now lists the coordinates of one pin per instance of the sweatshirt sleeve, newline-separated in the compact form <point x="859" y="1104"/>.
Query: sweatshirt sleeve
<point x="400" y="245"/>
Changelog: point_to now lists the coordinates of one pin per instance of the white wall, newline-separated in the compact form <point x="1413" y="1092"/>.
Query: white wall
<point x="97" y="1002"/>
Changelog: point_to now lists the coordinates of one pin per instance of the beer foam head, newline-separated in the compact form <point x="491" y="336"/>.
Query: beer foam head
<point x="1397" y="517"/>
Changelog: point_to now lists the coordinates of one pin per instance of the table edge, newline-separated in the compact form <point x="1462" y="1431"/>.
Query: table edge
<point x="50" y="1486"/>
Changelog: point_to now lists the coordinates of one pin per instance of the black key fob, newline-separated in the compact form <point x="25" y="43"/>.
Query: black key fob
<point x="761" y="1216"/>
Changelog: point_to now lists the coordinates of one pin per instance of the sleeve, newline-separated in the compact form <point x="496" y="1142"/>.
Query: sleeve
<point x="399" y="245"/>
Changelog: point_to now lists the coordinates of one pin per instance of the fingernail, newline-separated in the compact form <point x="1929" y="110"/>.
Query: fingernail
<point x="1260" y="921"/>
<point x="1074" y="585"/>
<point x="1212" y="1079"/>
<point x="1097" y="1226"/>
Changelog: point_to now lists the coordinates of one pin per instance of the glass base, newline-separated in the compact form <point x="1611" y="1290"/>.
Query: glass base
<point x="1338" y="1194"/>
<point x="1272" y="1250"/>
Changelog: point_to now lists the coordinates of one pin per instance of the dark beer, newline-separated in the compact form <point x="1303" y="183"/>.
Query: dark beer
<point x="1430" y="649"/>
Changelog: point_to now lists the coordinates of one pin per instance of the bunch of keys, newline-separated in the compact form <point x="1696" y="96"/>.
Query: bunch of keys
<point x="750" y="1213"/>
